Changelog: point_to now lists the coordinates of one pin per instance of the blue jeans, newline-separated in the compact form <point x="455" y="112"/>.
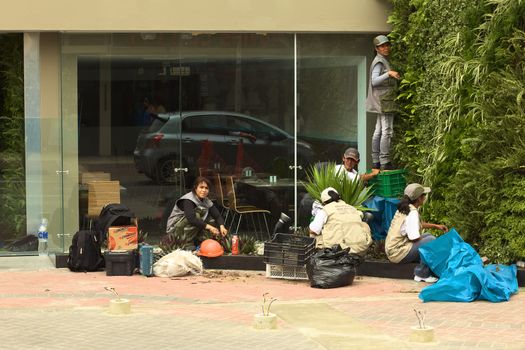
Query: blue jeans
<point x="421" y="270"/>
<point x="382" y="137"/>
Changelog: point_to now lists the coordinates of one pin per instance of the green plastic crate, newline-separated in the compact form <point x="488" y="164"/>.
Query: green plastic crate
<point x="389" y="183"/>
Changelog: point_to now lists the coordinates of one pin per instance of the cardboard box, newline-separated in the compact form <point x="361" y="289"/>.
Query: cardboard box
<point x="87" y="177"/>
<point x="101" y="193"/>
<point x="123" y="238"/>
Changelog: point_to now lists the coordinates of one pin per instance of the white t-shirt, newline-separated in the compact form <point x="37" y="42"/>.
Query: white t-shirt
<point x="352" y="174"/>
<point x="411" y="226"/>
<point x="318" y="222"/>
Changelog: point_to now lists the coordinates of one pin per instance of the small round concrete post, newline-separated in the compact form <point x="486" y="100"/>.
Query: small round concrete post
<point x="119" y="306"/>
<point x="261" y="321"/>
<point x="422" y="335"/>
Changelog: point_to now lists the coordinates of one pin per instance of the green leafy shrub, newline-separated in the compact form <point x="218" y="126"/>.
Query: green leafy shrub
<point x="462" y="117"/>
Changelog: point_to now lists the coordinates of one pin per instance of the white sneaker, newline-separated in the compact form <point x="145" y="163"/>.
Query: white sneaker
<point x="429" y="279"/>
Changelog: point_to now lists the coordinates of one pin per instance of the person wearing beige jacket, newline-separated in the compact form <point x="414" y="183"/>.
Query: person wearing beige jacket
<point x="340" y="223"/>
<point x="404" y="235"/>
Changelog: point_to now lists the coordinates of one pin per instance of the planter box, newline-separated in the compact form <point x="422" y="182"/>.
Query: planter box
<point x="386" y="270"/>
<point x="521" y="277"/>
<point x="60" y="260"/>
<point x="256" y="263"/>
<point x="235" y="262"/>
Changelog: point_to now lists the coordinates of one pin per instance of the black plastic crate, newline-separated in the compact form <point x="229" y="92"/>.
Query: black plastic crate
<point x="120" y="263"/>
<point x="290" y="250"/>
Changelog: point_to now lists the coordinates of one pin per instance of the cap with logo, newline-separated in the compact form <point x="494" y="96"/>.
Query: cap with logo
<point x="352" y="153"/>
<point x="380" y="40"/>
<point x="415" y="190"/>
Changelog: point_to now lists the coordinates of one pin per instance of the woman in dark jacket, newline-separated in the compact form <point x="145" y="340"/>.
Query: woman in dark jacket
<point x="194" y="213"/>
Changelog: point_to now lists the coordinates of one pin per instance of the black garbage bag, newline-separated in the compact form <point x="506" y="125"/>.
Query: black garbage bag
<point x="332" y="267"/>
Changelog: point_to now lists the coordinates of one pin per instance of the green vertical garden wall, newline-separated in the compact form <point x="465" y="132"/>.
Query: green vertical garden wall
<point x="12" y="161"/>
<point x="461" y="128"/>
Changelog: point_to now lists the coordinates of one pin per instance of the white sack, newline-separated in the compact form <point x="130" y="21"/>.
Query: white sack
<point x="178" y="263"/>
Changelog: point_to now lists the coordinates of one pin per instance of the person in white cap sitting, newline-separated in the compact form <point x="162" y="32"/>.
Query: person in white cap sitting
<point x="340" y="223"/>
<point x="404" y="236"/>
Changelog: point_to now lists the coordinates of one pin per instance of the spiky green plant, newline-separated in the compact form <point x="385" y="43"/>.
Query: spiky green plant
<point x="247" y="244"/>
<point x="353" y="192"/>
<point x="171" y="242"/>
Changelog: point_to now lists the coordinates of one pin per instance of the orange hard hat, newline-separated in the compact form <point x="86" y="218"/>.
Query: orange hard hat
<point x="210" y="248"/>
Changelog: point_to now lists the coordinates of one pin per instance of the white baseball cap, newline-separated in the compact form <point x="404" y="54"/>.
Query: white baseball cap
<point x="325" y="195"/>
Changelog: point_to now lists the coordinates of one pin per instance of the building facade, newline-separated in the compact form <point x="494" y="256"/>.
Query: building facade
<point x="274" y="87"/>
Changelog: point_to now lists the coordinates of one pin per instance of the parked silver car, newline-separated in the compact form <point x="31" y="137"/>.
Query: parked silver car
<point x="221" y="141"/>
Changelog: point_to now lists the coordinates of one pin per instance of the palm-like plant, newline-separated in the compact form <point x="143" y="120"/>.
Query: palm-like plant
<point x="353" y="192"/>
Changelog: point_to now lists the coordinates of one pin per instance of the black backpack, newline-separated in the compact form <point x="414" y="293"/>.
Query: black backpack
<point x="84" y="252"/>
<point x="114" y="214"/>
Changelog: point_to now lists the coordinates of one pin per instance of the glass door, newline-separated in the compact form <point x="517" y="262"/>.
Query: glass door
<point x="239" y="89"/>
<point x="331" y="90"/>
<point x="154" y="111"/>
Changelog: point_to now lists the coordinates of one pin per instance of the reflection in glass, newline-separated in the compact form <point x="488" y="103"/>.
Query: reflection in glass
<point x="155" y="112"/>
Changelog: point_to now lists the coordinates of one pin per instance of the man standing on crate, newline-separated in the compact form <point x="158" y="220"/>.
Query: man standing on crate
<point x="381" y="100"/>
<point x="340" y="223"/>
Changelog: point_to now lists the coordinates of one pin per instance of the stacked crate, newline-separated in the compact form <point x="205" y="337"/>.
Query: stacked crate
<point x="389" y="184"/>
<point x="286" y="255"/>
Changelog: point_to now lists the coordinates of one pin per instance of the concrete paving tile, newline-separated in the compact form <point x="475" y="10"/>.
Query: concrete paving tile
<point x="43" y="308"/>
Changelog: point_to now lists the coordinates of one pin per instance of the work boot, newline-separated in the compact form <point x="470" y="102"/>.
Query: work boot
<point x="387" y="166"/>
<point x="376" y="166"/>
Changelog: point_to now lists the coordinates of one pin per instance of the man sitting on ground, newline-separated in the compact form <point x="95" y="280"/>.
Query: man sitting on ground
<point x="340" y="223"/>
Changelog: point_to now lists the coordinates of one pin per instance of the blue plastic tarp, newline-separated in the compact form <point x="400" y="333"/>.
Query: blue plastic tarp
<point x="384" y="210"/>
<point x="462" y="276"/>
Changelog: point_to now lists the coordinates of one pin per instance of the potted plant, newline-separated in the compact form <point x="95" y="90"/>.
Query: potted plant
<point x="118" y="306"/>
<point x="353" y="192"/>
<point x="421" y="333"/>
<point x="265" y="319"/>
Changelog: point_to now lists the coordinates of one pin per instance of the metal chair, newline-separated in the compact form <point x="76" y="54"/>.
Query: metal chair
<point x="220" y="196"/>
<point x="254" y="211"/>
<point x="222" y="200"/>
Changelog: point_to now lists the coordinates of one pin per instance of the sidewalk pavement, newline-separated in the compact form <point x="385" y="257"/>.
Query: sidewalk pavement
<point x="46" y="308"/>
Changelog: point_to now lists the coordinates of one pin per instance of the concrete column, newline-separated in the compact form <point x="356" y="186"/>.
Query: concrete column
<point x="34" y="210"/>
<point x="363" y="134"/>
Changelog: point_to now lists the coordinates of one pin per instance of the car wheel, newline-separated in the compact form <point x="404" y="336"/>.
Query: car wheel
<point x="165" y="173"/>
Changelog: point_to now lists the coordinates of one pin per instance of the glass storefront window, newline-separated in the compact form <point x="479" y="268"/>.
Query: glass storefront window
<point x="154" y="111"/>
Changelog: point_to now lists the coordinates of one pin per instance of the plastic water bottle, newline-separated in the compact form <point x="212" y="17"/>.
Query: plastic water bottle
<point x="42" y="237"/>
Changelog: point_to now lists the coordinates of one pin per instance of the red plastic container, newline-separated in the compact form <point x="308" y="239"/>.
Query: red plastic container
<point x="235" y="245"/>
